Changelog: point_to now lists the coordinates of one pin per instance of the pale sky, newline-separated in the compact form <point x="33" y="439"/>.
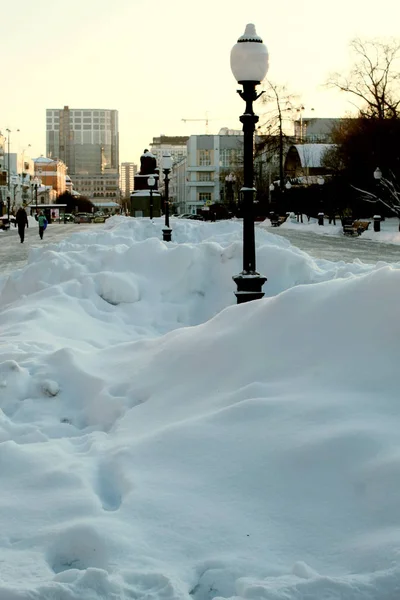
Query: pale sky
<point x="160" y="62"/>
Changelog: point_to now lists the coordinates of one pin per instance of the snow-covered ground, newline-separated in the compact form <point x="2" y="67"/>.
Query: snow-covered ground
<point x="158" y="441"/>
<point x="329" y="242"/>
<point x="388" y="234"/>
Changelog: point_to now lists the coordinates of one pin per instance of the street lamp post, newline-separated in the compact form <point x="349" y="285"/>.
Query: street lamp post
<point x="35" y="184"/>
<point x="378" y="218"/>
<point x="166" y="167"/>
<point x="9" y="158"/>
<point x="321" y="213"/>
<point x="230" y="196"/>
<point x="249" y="64"/>
<point x="151" y="183"/>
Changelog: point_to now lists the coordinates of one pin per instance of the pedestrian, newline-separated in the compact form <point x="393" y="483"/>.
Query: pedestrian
<point x="21" y="219"/>
<point x="42" y="224"/>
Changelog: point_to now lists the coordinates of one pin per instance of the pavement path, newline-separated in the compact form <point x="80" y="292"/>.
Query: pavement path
<point x="14" y="255"/>
<point x="340" y="248"/>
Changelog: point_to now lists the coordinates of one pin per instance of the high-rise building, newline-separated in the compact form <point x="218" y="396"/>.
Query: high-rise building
<point x="128" y="172"/>
<point x="87" y="141"/>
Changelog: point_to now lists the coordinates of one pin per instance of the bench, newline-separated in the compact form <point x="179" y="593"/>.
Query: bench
<point x="351" y="227"/>
<point x="361" y="226"/>
<point x="4" y="223"/>
<point x="276" y="220"/>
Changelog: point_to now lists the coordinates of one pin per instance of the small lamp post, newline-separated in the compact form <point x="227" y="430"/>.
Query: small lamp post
<point x="229" y="183"/>
<point x="378" y="218"/>
<point x="151" y="182"/>
<point x="249" y="64"/>
<point x="320" y="181"/>
<point x="36" y="183"/>
<point x="166" y="167"/>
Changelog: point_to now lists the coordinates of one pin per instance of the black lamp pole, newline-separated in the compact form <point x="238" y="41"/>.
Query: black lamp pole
<point x="249" y="64"/>
<point x="167" y="231"/>
<point x="151" y="202"/>
<point x="249" y="282"/>
<point x="36" y="185"/>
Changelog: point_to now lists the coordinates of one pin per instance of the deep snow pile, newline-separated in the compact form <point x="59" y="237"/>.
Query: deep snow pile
<point x="255" y="455"/>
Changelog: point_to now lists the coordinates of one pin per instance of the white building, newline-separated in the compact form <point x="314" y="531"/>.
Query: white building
<point x="168" y="144"/>
<point x="210" y="158"/>
<point x="22" y="171"/>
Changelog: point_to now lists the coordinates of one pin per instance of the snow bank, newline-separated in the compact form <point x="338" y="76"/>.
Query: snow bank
<point x="254" y="455"/>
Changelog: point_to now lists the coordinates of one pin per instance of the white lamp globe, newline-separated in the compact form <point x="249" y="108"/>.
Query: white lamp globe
<point x="151" y="181"/>
<point x="249" y="57"/>
<point x="167" y="161"/>
<point x="378" y="173"/>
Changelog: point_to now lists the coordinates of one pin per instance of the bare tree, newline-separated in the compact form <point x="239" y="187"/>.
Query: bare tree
<point x="277" y="101"/>
<point x="389" y="195"/>
<point x="374" y="80"/>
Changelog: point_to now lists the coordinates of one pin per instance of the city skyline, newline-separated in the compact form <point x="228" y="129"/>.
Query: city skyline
<point x="177" y="68"/>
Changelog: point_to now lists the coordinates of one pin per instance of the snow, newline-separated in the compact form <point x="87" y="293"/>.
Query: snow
<point x="389" y="233"/>
<point x="159" y="441"/>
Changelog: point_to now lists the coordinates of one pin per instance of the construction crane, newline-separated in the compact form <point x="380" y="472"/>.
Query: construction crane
<point x="206" y="120"/>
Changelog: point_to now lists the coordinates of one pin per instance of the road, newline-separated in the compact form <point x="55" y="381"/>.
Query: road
<point x="13" y="254"/>
<point x="340" y="248"/>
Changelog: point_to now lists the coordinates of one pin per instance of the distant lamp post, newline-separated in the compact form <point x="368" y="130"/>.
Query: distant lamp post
<point x="321" y="181"/>
<point x="249" y="64"/>
<point x="229" y="183"/>
<point x="151" y="182"/>
<point x="378" y="218"/>
<point x="35" y="184"/>
<point x="166" y="167"/>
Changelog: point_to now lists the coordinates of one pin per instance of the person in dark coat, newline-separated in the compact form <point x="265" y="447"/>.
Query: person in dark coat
<point x="21" y="219"/>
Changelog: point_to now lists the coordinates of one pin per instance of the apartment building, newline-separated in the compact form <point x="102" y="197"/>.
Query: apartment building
<point x="173" y="145"/>
<point x="199" y="180"/>
<point x="87" y="142"/>
<point x="51" y="173"/>
<point x="127" y="178"/>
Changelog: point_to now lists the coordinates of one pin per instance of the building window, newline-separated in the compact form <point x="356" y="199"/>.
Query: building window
<point x="87" y="127"/>
<point x="205" y="197"/>
<point x="87" y="113"/>
<point x="204" y="176"/>
<point x="205" y="158"/>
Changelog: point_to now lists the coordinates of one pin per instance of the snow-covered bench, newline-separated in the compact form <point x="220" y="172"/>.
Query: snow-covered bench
<point x="351" y="227"/>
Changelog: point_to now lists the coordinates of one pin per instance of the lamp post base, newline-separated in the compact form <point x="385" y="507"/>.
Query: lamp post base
<point x="167" y="233"/>
<point x="249" y="286"/>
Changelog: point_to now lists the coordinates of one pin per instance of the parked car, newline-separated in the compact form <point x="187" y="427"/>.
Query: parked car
<point x="83" y="218"/>
<point x="68" y="218"/>
<point x="195" y="217"/>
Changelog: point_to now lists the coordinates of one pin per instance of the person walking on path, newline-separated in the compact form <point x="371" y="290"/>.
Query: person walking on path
<point x="21" y="219"/>
<point x="42" y="224"/>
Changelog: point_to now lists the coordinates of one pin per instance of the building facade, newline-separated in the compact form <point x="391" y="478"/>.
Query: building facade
<point x="52" y="173"/>
<point x="199" y="180"/>
<point x="315" y="130"/>
<point x="87" y="142"/>
<point x="173" y="145"/>
<point x="127" y="178"/>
